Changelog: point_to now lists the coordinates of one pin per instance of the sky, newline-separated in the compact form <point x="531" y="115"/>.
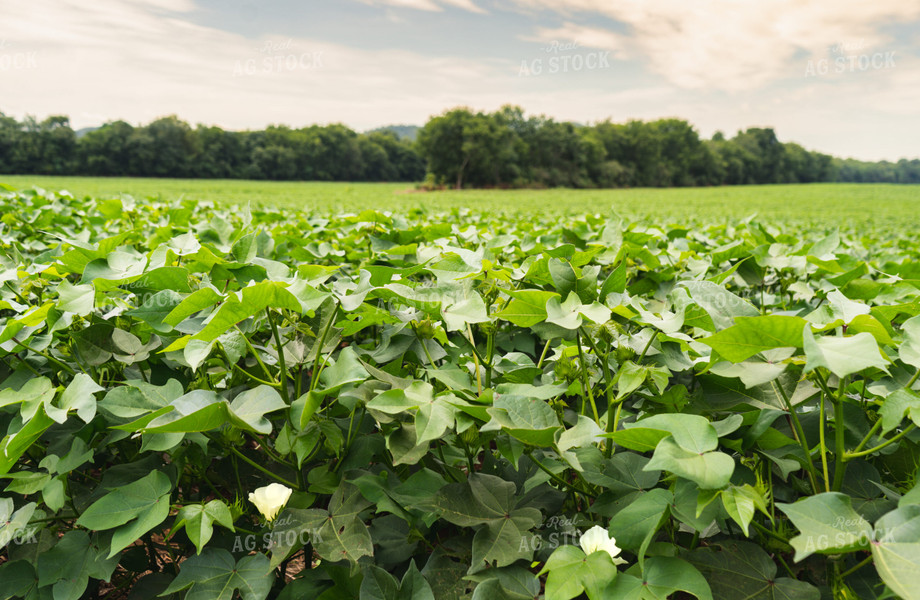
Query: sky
<point x="837" y="76"/>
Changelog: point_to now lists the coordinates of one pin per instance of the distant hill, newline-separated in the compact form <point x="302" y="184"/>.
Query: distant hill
<point x="81" y="132"/>
<point x="409" y="132"/>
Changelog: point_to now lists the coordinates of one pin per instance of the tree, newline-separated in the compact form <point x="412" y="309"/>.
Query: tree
<point x="105" y="151"/>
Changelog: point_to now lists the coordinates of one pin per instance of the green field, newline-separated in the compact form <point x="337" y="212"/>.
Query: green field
<point x="828" y="204"/>
<point x="501" y="402"/>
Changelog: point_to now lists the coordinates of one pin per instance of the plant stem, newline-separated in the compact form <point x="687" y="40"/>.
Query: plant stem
<point x="256" y="354"/>
<point x="585" y="383"/>
<point x="319" y="348"/>
<point x="840" y="465"/>
<point x="799" y="433"/>
<point x="608" y="390"/>
<point x="62" y="365"/>
<point x="558" y="479"/>
<point x="271" y="453"/>
<point x="644" y="350"/>
<point x="822" y="418"/>
<point x="256" y="465"/>
<point x="233" y="365"/>
<point x="852" y="455"/>
<point x="913" y="379"/>
<point x="469" y="331"/>
<point x="859" y="565"/>
<point x="869" y="435"/>
<point x="543" y="354"/>
<point x="283" y="375"/>
<point x="768" y="532"/>
<point x="490" y="350"/>
<point x="425" y="348"/>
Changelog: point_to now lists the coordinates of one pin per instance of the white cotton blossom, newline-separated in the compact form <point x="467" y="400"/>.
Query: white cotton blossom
<point x="597" y="539"/>
<point x="270" y="499"/>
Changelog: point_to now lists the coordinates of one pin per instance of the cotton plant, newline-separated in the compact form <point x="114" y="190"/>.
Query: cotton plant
<point x="589" y="568"/>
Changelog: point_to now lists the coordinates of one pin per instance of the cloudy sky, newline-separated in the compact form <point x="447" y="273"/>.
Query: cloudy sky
<point x="840" y="76"/>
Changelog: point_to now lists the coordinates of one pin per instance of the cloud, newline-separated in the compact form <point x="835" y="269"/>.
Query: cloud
<point x="581" y="35"/>
<point x="731" y="45"/>
<point x="428" y="5"/>
<point x="142" y="59"/>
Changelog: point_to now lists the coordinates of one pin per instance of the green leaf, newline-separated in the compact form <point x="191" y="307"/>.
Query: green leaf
<point x="251" y="406"/>
<point x="571" y="573"/>
<point x="615" y="283"/>
<point x="214" y="575"/>
<point x="137" y="398"/>
<point x="842" y="355"/>
<point x="336" y="534"/>
<point x="563" y="276"/>
<point x="15" y="444"/>
<point x="639" y="439"/>
<point x="469" y="310"/>
<point x="482" y="498"/>
<point x="35" y="391"/>
<point x="527" y="307"/>
<point x="380" y="585"/>
<point x="199" y="519"/>
<point x="252" y="300"/>
<point x="693" y="433"/>
<point x="709" y="470"/>
<point x="303" y="409"/>
<point x="571" y="313"/>
<point x="721" y="305"/>
<point x="198" y="410"/>
<point x="896" y="550"/>
<point x="507" y="583"/>
<point x="909" y="350"/>
<point x="79" y="397"/>
<point x="155" y="309"/>
<point x="899" y="403"/>
<point x="78" y="299"/>
<point x="13" y="524"/>
<point x="503" y="541"/>
<point x="640" y="518"/>
<point x="827" y="524"/>
<point x="18" y="580"/>
<point x="377" y="584"/>
<point x="531" y="421"/>
<point x="752" y="335"/>
<point x="740" y="502"/>
<point x="135" y="509"/>
<point x="662" y="577"/>
<point x="197" y="301"/>
<point x="396" y="401"/>
<point x="347" y="369"/>
<point x="737" y="569"/>
<point x="68" y="566"/>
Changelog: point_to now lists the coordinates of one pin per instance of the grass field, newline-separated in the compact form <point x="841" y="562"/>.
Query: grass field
<point x="846" y="205"/>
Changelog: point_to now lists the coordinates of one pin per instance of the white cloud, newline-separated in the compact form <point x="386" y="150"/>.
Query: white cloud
<point x="745" y="66"/>
<point x="429" y="5"/>
<point x="127" y="61"/>
<point x="581" y="35"/>
<point x="731" y="45"/>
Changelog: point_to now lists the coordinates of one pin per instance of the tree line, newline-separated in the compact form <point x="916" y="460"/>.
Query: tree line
<point x="507" y="148"/>
<point x="169" y="147"/>
<point x="460" y="148"/>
